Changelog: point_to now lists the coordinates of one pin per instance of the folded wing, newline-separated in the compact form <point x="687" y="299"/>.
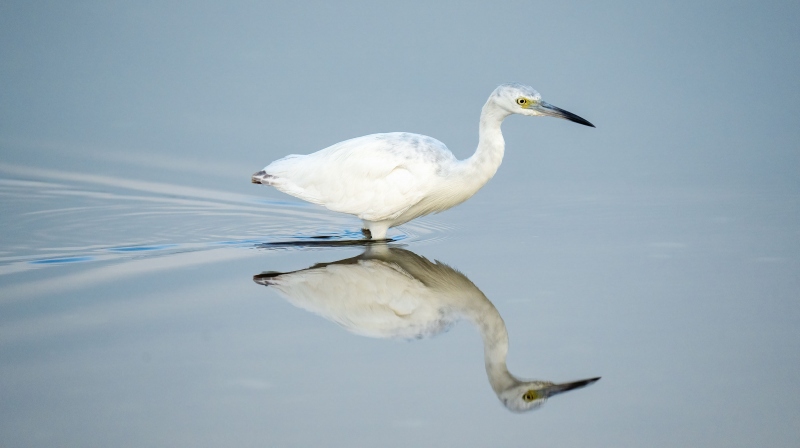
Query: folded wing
<point x="376" y="177"/>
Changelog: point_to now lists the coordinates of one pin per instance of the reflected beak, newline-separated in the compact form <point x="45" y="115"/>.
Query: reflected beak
<point x="553" y="111"/>
<point x="556" y="389"/>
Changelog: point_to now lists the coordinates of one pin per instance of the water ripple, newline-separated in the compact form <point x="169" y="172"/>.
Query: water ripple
<point x="56" y="218"/>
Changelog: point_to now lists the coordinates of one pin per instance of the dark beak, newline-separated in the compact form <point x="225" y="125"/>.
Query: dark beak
<point x="553" y="111"/>
<point x="556" y="389"/>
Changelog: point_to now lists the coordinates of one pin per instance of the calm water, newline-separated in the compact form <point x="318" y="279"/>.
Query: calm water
<point x="135" y="313"/>
<point x="150" y="295"/>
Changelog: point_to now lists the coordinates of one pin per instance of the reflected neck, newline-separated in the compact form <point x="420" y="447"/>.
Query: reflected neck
<point x="495" y="343"/>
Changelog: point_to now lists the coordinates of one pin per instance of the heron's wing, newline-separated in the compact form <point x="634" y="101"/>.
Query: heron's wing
<point x="375" y="177"/>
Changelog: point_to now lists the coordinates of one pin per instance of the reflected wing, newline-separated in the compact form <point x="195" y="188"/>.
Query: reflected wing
<point x="370" y="298"/>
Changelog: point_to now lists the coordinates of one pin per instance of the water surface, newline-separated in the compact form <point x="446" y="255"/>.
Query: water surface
<point x="130" y="316"/>
<point x="659" y="251"/>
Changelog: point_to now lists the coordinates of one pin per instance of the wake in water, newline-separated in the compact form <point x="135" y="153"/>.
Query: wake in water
<point x="56" y="218"/>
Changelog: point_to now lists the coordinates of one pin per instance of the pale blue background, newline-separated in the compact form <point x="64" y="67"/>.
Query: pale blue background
<point x="660" y="250"/>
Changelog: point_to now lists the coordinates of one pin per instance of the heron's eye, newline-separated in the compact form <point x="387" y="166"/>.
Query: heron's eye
<point x="529" y="395"/>
<point x="522" y="101"/>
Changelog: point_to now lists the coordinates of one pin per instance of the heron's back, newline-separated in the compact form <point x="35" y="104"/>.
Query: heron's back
<point x="376" y="177"/>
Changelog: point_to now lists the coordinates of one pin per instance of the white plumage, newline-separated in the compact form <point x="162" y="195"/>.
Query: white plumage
<point x="394" y="293"/>
<point x="390" y="179"/>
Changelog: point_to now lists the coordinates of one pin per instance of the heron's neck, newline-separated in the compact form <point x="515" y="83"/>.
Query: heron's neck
<point x="493" y="331"/>
<point x="487" y="158"/>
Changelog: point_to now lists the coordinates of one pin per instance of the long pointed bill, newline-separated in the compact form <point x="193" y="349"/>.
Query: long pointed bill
<point x="553" y="111"/>
<point x="556" y="389"/>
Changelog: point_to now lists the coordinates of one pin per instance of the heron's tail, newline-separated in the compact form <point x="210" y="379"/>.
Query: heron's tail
<point x="266" y="278"/>
<point x="262" y="177"/>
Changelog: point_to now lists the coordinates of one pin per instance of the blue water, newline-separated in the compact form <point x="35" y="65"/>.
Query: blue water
<point x="130" y="316"/>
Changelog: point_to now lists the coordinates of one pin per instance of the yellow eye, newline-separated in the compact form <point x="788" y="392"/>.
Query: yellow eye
<point x="522" y="101"/>
<point x="530" y="395"/>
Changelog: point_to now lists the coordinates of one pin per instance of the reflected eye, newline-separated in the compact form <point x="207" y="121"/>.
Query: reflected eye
<point x="530" y="395"/>
<point x="522" y="101"/>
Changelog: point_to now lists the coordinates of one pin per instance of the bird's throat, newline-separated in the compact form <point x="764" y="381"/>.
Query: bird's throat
<point x="483" y="165"/>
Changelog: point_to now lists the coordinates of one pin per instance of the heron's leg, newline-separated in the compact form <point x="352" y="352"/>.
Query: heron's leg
<point x="377" y="230"/>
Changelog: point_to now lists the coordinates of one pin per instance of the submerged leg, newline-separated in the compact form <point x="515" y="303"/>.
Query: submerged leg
<point x="376" y="230"/>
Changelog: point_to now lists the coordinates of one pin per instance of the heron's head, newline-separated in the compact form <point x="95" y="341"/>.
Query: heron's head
<point x="529" y="395"/>
<point x="524" y="100"/>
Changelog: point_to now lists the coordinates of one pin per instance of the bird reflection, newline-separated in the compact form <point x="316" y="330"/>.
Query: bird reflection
<point x="388" y="292"/>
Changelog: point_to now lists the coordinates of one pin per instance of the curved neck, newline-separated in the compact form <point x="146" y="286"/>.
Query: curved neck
<point x="493" y="331"/>
<point x="487" y="158"/>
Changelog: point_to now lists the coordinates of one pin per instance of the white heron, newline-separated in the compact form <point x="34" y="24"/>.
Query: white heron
<point x="394" y="293"/>
<point x="390" y="179"/>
